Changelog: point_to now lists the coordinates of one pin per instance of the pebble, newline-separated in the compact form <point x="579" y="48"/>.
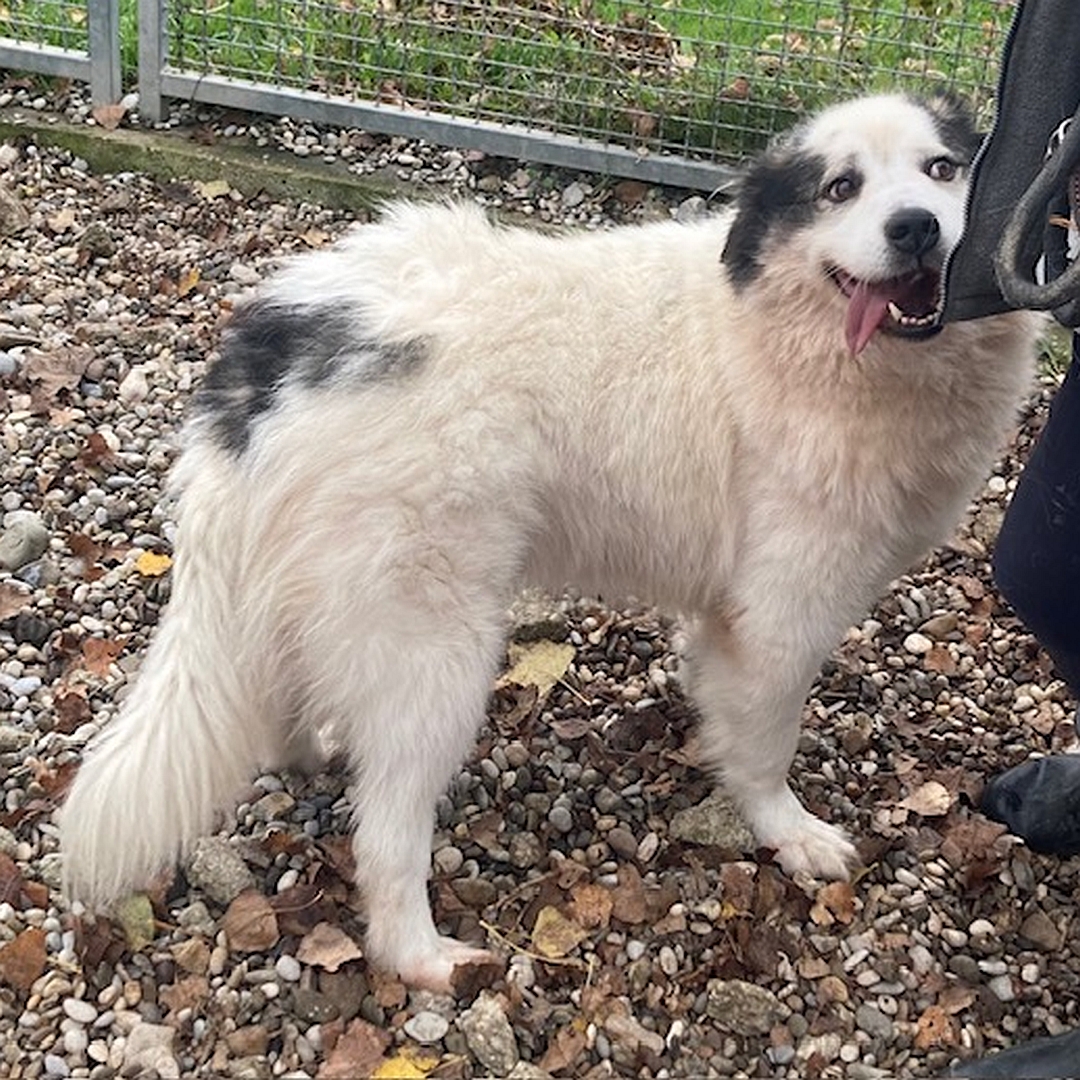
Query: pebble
<point x="24" y="538"/>
<point x="82" y="1012"/>
<point x="288" y="968"/>
<point x="427" y="1027"/>
<point x="489" y="1034"/>
<point x="216" y="867"/>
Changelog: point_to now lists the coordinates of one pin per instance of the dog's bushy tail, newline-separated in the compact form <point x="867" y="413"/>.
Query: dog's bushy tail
<point x="192" y="728"/>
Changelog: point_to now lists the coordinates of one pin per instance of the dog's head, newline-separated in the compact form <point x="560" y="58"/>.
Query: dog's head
<point x="864" y="201"/>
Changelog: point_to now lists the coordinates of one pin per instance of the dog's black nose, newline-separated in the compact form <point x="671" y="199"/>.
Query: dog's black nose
<point x="912" y="231"/>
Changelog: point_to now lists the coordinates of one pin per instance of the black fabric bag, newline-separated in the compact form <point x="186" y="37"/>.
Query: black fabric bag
<point x="1038" y="89"/>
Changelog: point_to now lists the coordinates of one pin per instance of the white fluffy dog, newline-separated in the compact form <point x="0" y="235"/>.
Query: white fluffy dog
<point x="751" y="419"/>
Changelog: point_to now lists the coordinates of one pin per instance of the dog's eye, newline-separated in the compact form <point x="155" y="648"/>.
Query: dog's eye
<point x="941" y="169"/>
<point x="842" y="188"/>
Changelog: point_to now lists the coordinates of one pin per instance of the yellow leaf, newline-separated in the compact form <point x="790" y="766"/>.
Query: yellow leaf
<point x="188" y="280"/>
<point x="136" y="918"/>
<point x="151" y="564"/>
<point x="554" y="935"/>
<point x="211" y="189"/>
<point x="405" y="1066"/>
<point x="537" y="663"/>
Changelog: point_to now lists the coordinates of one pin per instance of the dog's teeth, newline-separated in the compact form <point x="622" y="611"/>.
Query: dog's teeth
<point x="895" y="313"/>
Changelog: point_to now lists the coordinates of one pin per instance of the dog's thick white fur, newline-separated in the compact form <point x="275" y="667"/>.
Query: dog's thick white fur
<point x="746" y="419"/>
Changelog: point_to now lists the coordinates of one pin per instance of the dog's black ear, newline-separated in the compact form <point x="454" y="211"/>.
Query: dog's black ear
<point x="781" y="186"/>
<point x="955" y="122"/>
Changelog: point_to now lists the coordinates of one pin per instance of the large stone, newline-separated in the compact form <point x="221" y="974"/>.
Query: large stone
<point x="23" y="540"/>
<point x="489" y="1035"/>
<point x="216" y="868"/>
<point x="743" y="1008"/>
<point x="713" y="821"/>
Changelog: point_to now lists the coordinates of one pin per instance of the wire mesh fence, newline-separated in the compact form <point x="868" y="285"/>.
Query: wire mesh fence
<point x="700" y="77"/>
<point x="74" y="39"/>
<point x="648" y="80"/>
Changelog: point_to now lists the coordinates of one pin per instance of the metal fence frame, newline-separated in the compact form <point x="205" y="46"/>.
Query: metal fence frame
<point x="158" y="81"/>
<point x="515" y="138"/>
<point x="98" y="65"/>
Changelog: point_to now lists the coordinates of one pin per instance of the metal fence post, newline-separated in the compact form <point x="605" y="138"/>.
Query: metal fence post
<point x="152" y="51"/>
<point x="103" y="32"/>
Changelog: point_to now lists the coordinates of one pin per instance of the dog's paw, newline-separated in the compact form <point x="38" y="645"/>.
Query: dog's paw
<point x="435" y="970"/>
<point x="815" y="848"/>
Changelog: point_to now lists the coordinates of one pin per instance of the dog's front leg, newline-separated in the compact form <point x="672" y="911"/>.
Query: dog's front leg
<point x="750" y="690"/>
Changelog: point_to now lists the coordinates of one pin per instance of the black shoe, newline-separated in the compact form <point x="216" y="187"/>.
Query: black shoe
<point x="1039" y="801"/>
<point x="1054" y="1058"/>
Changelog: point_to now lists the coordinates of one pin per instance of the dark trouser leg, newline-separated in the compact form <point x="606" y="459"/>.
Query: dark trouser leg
<point x="1037" y="556"/>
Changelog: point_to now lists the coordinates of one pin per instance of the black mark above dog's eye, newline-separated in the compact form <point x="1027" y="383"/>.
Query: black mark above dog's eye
<point x="941" y="168"/>
<point x="842" y="188"/>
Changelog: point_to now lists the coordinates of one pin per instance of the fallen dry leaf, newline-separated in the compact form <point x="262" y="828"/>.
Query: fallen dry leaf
<point x="405" y="1065"/>
<point x="554" y="935"/>
<point x="591" y="905"/>
<point x="57" y="369"/>
<point x="834" y="902"/>
<point x="250" y="924"/>
<point x="564" y="1050"/>
<point x="327" y="946"/>
<point x="537" y="663"/>
<point x="931" y="799"/>
<point x="628" y="897"/>
<point x="98" y="655"/>
<point x="109" y="116"/>
<point x="12" y="599"/>
<point x="151" y="564"/>
<point x="71" y="708"/>
<point x="357" y="1052"/>
<point x="188" y="992"/>
<point x="135" y="916"/>
<point x="22" y="960"/>
<point x="934" y="1028"/>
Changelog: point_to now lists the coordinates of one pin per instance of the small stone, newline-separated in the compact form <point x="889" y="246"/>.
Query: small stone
<point x="489" y="1034"/>
<point x="133" y="387"/>
<point x="622" y="842"/>
<point x="215" y="867"/>
<point x="56" y="1066"/>
<point x="149" y="1049"/>
<point x="874" y="1022"/>
<point x="714" y="821"/>
<point x="1039" y="931"/>
<point x="273" y="806"/>
<point x="561" y="819"/>
<point x="448" y="860"/>
<point x="82" y="1012"/>
<point x="918" y="644"/>
<point x="1002" y="987"/>
<point x="741" y="1007"/>
<point x="981" y="928"/>
<point x="288" y="968"/>
<point x="573" y="195"/>
<point x="427" y="1027"/>
<point x="23" y="539"/>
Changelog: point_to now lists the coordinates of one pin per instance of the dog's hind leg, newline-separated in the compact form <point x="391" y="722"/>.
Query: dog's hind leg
<point x="749" y="689"/>
<point x="412" y="697"/>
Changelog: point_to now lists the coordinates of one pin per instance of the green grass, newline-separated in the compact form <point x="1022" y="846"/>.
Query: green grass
<point x="716" y="76"/>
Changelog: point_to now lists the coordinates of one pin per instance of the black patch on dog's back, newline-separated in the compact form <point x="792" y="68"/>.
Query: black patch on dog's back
<point x="779" y="188"/>
<point x="267" y="345"/>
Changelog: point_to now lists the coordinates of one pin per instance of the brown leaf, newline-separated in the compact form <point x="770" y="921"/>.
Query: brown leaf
<point x="737" y="888"/>
<point x="935" y="1028"/>
<point x="98" y="655"/>
<point x="96" y="451"/>
<point x="22" y="960"/>
<point x="11" y="881"/>
<point x="357" y="1052"/>
<point x="835" y="902"/>
<point x="250" y="924"/>
<point x="972" y="840"/>
<point x="564" y="1051"/>
<point x="554" y="935"/>
<point x="628" y="896"/>
<point x="188" y="992"/>
<point x="940" y="660"/>
<point x="72" y="709"/>
<point x="327" y="946"/>
<point x="300" y="908"/>
<point x="591" y="905"/>
<point x="12" y="599"/>
<point x="109" y="116"/>
<point x="931" y="799"/>
<point x="60" y="368"/>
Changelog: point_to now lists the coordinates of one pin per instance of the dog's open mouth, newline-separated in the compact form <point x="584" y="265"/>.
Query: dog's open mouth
<point x="905" y="306"/>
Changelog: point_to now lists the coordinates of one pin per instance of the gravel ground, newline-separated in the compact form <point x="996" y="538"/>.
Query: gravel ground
<point x="644" y="936"/>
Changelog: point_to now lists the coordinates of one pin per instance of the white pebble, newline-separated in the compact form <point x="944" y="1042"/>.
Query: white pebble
<point x="1002" y="988"/>
<point x="287" y="968"/>
<point x="82" y="1012"/>
<point x="981" y="928"/>
<point x="918" y="644"/>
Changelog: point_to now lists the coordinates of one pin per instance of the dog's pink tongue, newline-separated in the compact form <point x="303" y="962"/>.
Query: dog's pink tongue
<point x="866" y="312"/>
